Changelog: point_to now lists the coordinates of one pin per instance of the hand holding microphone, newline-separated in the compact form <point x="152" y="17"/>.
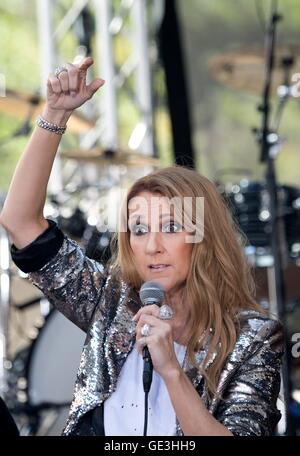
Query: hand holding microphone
<point x="154" y="333"/>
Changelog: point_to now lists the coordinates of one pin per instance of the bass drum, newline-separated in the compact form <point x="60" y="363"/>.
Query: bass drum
<point x="51" y="372"/>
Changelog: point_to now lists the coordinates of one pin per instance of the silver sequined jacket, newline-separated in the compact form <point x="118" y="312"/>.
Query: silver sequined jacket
<point x="103" y="307"/>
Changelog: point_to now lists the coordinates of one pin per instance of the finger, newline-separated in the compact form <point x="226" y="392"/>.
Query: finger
<point x="161" y="328"/>
<point x="150" y="310"/>
<point x="151" y="341"/>
<point x="141" y="343"/>
<point x="73" y="78"/>
<point x="93" y="87"/>
<point x="82" y="72"/>
<point x="153" y="322"/>
<point x="140" y="329"/>
<point x="139" y="348"/>
<point x="85" y="64"/>
<point x="150" y="319"/>
<point x="49" y="87"/>
<point x="54" y="82"/>
<point x="64" y="81"/>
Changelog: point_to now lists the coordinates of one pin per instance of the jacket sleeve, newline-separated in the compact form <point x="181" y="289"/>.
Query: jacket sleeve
<point x="248" y="405"/>
<point x="71" y="281"/>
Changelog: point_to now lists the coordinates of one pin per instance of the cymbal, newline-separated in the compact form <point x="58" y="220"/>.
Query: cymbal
<point x="22" y="105"/>
<point x="99" y="156"/>
<point x="244" y="69"/>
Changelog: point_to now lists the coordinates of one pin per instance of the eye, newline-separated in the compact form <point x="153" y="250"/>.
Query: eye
<point x="138" y="230"/>
<point x="172" y="227"/>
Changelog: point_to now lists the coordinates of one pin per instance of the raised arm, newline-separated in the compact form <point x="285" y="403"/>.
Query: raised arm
<point x="22" y="213"/>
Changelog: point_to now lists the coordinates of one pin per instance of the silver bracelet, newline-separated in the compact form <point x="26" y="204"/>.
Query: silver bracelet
<point x="43" y="123"/>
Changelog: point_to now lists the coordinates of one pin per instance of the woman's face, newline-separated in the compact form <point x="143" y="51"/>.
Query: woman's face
<point x="157" y="238"/>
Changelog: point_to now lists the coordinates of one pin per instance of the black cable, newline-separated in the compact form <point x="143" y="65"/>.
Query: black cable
<point x="146" y="414"/>
<point x="147" y="380"/>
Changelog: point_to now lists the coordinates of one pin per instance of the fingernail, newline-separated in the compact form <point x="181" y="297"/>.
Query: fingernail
<point x="133" y="318"/>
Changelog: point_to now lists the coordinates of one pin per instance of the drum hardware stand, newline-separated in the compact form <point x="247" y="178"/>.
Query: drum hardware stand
<point x="269" y="140"/>
<point x="4" y="307"/>
<point x="283" y="91"/>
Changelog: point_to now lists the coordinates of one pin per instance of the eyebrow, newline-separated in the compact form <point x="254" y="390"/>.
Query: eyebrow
<point x="139" y="217"/>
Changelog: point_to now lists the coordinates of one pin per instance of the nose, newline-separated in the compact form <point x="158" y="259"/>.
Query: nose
<point x="153" y="244"/>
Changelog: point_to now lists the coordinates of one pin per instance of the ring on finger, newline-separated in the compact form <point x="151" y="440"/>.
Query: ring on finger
<point x="59" y="70"/>
<point x="165" y="312"/>
<point x="145" y="330"/>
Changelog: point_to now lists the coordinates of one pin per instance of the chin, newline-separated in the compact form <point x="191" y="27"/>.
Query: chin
<point x="164" y="282"/>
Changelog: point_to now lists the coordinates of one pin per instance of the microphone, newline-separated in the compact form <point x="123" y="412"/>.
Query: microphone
<point x="150" y="293"/>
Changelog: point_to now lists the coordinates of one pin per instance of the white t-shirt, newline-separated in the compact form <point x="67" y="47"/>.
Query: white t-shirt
<point x="124" y="409"/>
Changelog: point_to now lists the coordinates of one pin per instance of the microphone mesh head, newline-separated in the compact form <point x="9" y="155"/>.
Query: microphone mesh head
<point x="151" y="293"/>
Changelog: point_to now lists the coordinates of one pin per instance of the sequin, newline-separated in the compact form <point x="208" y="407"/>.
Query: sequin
<point x="103" y="306"/>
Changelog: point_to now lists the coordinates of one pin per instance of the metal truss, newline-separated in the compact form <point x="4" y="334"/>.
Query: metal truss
<point x="115" y="20"/>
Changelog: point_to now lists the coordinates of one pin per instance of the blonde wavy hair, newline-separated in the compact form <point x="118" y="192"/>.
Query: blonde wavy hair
<point x="219" y="282"/>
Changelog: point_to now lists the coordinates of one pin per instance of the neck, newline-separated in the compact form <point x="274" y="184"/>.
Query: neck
<point x="176" y="301"/>
<point x="180" y="317"/>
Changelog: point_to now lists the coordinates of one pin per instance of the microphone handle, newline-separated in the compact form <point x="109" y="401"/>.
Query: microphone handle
<point x="148" y="370"/>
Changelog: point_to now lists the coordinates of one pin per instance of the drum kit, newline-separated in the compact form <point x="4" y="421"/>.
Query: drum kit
<point x="40" y="374"/>
<point x="249" y="204"/>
